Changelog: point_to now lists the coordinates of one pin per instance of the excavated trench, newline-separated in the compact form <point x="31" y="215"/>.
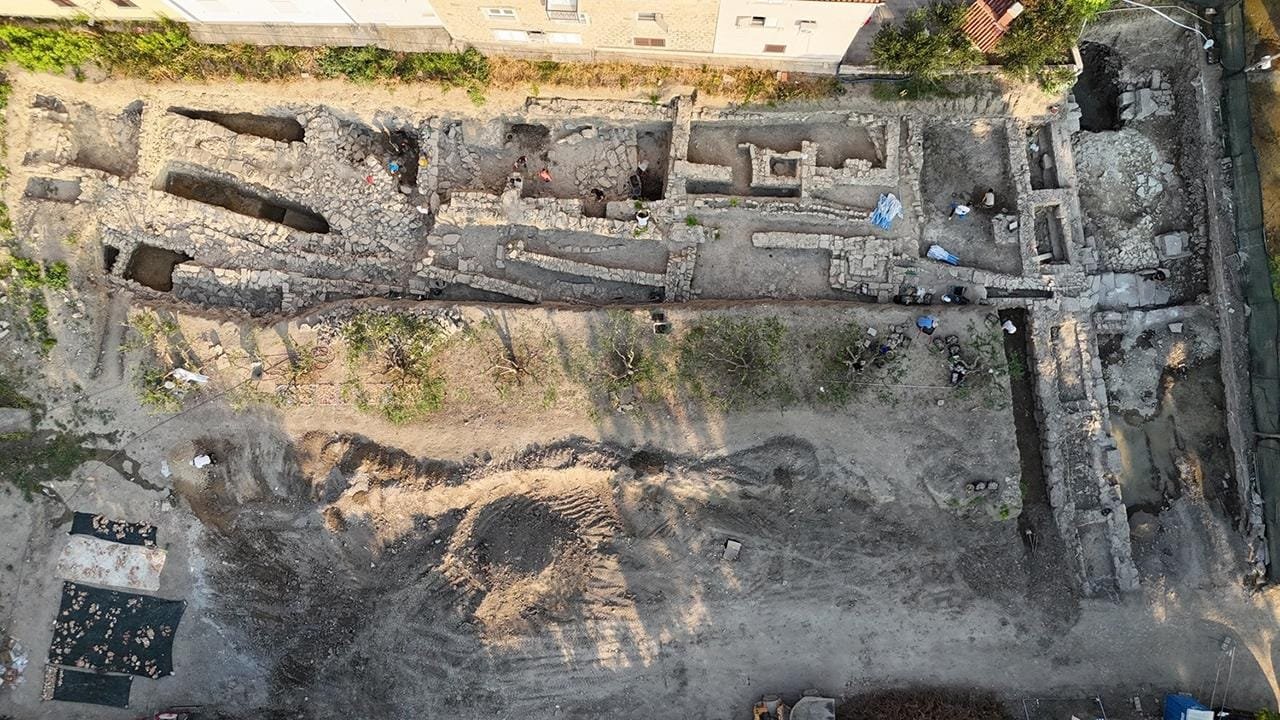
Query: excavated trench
<point x="153" y="267"/>
<point x="225" y="194"/>
<point x="1097" y="92"/>
<point x="280" y="129"/>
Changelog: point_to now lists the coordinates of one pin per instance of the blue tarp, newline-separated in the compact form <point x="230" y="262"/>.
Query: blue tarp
<point x="1176" y="706"/>
<point x="887" y="209"/>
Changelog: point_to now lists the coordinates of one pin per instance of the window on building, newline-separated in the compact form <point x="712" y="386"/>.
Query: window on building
<point x="564" y="38"/>
<point x="63" y="3"/>
<point x="516" y="36"/>
<point x="806" y="26"/>
<point x="756" y="21"/>
<point x="651" y="42"/>
<point x="499" y="13"/>
<point x="123" y="3"/>
<point x="775" y="48"/>
<point x="648" y="16"/>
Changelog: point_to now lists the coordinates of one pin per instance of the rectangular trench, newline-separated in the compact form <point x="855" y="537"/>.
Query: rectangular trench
<point x="227" y="195"/>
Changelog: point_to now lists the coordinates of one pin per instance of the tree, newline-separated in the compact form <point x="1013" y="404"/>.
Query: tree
<point x="627" y="354"/>
<point x="1044" y="35"/>
<point x="929" y="44"/>
<point x="734" y="361"/>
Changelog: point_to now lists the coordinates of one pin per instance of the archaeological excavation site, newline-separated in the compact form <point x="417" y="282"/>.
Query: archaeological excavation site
<point x="586" y="405"/>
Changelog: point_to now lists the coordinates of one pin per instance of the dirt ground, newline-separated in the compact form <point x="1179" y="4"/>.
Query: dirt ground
<point x="963" y="160"/>
<point x="1263" y="23"/>
<point x="336" y="564"/>
<point x="548" y="549"/>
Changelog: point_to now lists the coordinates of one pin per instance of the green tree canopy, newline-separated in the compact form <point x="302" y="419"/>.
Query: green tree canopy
<point x="927" y="45"/>
<point x="1043" y="35"/>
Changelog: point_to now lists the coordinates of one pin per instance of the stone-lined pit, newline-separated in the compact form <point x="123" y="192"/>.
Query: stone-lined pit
<point x="152" y="266"/>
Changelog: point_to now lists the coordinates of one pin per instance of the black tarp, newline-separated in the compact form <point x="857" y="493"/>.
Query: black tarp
<point x="115" y="631"/>
<point x="1256" y="281"/>
<point x="114" y="530"/>
<point x="79" y="686"/>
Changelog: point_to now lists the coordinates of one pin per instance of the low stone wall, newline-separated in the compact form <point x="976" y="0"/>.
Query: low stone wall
<point x="679" y="279"/>
<point x="517" y="253"/>
<point x="699" y="172"/>
<point x="580" y="108"/>
<point x="466" y="209"/>
<point x="762" y="160"/>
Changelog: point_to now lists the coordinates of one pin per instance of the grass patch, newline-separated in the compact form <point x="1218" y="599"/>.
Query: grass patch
<point x="147" y="328"/>
<point x="28" y="280"/>
<point x="29" y="460"/>
<point x="10" y="397"/>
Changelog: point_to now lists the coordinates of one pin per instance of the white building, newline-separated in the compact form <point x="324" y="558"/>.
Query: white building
<point x="399" y="24"/>
<point x="394" y="13"/>
<point x="304" y="12"/>
<point x="817" y="30"/>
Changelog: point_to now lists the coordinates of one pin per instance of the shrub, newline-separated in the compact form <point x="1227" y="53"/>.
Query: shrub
<point x="926" y="46"/>
<point x="734" y="361"/>
<point x="52" y="50"/>
<point x="402" y="345"/>
<point x="847" y="364"/>
<point x="627" y="354"/>
<point x="152" y="393"/>
<point x="1043" y="35"/>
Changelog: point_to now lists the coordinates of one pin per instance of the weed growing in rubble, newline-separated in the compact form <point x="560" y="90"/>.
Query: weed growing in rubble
<point x="692" y="221"/>
<point x="400" y="346"/>
<point x="57" y="276"/>
<point x="985" y="353"/>
<point x="734" y="362"/>
<point x="152" y="393"/>
<point x="148" y="329"/>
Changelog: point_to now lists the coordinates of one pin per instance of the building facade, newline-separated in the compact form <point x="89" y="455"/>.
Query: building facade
<point x="810" y="30"/>
<point x="93" y="9"/>
<point x="804" y="35"/>
<point x="568" y="28"/>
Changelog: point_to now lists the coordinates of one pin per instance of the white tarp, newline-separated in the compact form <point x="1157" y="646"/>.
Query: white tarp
<point x="93" y="561"/>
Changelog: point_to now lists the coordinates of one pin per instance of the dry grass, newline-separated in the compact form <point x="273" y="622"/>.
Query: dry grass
<point x="166" y="52"/>
<point x="745" y="84"/>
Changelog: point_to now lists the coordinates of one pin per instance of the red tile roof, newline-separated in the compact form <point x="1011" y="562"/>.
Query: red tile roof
<point x="988" y="20"/>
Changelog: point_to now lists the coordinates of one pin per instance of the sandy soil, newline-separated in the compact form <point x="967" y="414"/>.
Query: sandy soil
<point x="522" y="553"/>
